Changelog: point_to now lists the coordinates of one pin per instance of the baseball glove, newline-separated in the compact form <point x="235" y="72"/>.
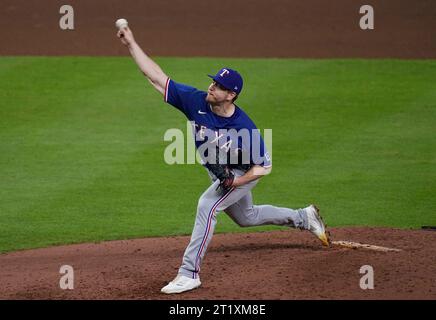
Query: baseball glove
<point x="226" y="180"/>
<point x="223" y="172"/>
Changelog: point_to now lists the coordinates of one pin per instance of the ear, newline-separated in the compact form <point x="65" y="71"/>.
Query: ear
<point x="231" y="95"/>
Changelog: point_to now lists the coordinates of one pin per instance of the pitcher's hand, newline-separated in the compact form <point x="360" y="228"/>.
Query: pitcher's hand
<point x="126" y="36"/>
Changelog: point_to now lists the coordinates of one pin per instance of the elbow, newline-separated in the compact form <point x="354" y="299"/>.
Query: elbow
<point x="159" y="78"/>
<point x="158" y="85"/>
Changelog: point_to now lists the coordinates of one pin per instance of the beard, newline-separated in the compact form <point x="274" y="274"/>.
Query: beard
<point x="210" y="99"/>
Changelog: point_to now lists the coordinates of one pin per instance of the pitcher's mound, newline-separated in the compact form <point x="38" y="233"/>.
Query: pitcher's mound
<point x="265" y="265"/>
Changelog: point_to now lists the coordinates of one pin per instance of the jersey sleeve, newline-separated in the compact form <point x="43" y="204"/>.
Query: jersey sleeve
<point x="181" y="96"/>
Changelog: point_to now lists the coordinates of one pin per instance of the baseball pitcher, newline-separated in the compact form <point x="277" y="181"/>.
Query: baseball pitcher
<point x="234" y="154"/>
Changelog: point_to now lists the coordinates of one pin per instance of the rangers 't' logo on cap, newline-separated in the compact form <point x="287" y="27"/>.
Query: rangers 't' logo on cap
<point x="225" y="71"/>
<point x="229" y="79"/>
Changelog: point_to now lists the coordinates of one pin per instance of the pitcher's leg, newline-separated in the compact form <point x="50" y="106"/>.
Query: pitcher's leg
<point x="211" y="202"/>
<point x="245" y="214"/>
<point x="204" y="227"/>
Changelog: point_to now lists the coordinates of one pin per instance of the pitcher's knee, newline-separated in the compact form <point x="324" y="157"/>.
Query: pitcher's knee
<point x="244" y="223"/>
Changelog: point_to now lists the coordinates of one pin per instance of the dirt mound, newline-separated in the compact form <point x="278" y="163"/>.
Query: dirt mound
<point x="265" y="265"/>
<point x="226" y="28"/>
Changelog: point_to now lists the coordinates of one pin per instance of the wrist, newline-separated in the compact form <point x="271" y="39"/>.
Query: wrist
<point x="131" y="44"/>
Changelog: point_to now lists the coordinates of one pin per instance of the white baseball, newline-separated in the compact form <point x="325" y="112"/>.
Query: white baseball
<point x="120" y="23"/>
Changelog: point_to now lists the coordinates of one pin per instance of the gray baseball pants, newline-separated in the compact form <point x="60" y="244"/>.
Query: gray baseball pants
<point x="238" y="204"/>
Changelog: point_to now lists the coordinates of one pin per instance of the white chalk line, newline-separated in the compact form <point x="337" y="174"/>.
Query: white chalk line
<point x="355" y="245"/>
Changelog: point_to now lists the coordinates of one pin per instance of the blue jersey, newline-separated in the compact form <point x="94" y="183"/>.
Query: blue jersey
<point x="245" y="137"/>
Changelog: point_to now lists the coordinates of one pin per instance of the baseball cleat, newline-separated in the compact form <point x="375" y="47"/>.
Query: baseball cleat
<point x="316" y="225"/>
<point x="181" y="284"/>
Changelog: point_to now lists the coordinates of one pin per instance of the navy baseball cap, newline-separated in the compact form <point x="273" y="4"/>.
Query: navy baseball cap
<point x="229" y="79"/>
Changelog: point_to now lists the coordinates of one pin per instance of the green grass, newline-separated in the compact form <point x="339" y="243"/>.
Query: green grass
<point x="81" y="149"/>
